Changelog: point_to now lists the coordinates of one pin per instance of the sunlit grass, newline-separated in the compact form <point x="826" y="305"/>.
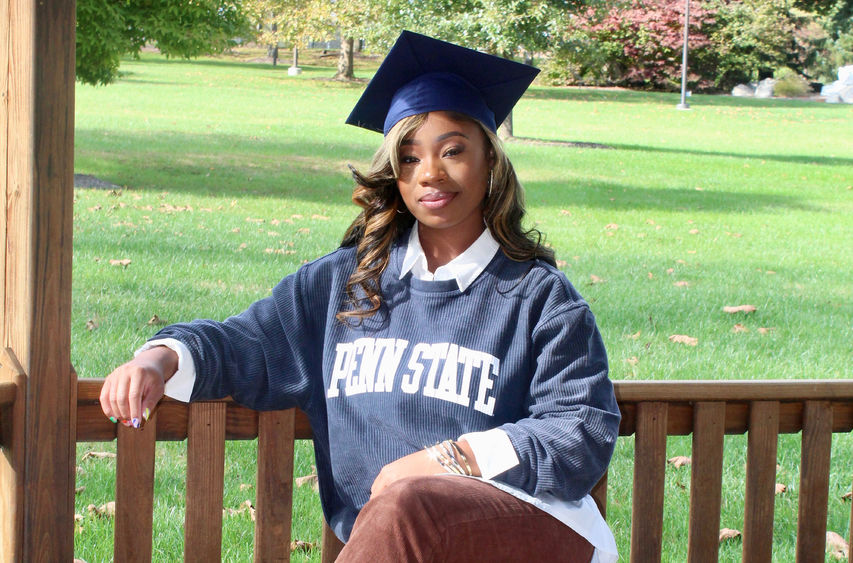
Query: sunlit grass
<point x="232" y="174"/>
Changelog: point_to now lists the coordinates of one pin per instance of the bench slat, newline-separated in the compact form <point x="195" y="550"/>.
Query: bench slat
<point x="599" y="495"/>
<point x="332" y="546"/>
<point x="205" y="477"/>
<point x="760" y="481"/>
<point x="134" y="492"/>
<point x="649" y="472"/>
<point x="814" y="481"/>
<point x="706" y="481"/>
<point x="273" y="513"/>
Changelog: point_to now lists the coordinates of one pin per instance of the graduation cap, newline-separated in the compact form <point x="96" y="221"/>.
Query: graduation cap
<point x="422" y="74"/>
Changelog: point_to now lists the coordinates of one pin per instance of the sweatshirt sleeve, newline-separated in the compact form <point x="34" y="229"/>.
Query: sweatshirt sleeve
<point x="262" y="358"/>
<point x="565" y="443"/>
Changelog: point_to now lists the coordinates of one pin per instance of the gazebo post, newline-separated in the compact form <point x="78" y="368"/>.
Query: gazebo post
<point x="37" y="45"/>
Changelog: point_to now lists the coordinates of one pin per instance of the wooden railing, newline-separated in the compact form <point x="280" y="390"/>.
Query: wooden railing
<point x="651" y="412"/>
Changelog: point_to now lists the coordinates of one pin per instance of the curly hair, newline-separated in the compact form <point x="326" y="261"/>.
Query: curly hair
<point x="383" y="216"/>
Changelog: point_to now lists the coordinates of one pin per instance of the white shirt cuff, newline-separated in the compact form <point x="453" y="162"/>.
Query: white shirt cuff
<point x="493" y="451"/>
<point x="180" y="385"/>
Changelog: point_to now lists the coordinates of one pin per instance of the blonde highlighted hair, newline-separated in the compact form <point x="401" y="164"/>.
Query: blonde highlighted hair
<point x="384" y="216"/>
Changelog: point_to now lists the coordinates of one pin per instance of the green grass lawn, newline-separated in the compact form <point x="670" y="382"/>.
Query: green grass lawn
<point x="232" y="174"/>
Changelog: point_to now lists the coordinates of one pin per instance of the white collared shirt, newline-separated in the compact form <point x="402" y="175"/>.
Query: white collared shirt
<point x="465" y="268"/>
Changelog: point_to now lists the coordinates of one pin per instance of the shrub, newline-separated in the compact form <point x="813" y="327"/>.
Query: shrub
<point x="635" y="43"/>
<point x="789" y="84"/>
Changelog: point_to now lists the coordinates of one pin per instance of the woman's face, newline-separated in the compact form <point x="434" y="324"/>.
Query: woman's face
<point x="444" y="174"/>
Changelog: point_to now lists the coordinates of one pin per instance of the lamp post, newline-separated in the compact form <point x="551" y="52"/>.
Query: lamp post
<point x="684" y="104"/>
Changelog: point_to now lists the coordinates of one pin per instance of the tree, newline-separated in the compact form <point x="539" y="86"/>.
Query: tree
<point x="108" y="30"/>
<point x="292" y="22"/>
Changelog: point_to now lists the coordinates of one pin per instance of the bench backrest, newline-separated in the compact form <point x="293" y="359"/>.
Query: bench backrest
<point x="651" y="412"/>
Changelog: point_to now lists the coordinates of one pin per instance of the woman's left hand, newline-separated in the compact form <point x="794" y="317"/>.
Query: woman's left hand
<point x="418" y="463"/>
<point x="412" y="465"/>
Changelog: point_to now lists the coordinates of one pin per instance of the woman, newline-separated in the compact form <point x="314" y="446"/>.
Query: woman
<point x="438" y="339"/>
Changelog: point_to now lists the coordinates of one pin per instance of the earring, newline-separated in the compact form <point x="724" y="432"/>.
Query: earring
<point x="489" y="191"/>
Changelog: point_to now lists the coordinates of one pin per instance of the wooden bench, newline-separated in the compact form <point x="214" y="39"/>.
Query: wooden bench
<point x="651" y="412"/>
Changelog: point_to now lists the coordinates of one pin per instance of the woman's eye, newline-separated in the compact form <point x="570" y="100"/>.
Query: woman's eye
<point x="408" y="159"/>
<point x="453" y="151"/>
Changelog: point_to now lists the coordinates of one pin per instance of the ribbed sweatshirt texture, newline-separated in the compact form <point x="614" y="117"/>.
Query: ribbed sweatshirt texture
<point x="519" y="350"/>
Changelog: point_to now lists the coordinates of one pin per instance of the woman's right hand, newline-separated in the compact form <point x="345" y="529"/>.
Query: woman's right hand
<point x="133" y="389"/>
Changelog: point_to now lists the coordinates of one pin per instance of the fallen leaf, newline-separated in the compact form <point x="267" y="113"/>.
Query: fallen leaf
<point x="91" y="324"/>
<point x="155" y="320"/>
<point x="304" y="230"/>
<point x="125" y="262"/>
<point x="694" y="231"/>
<point x="731" y="309"/>
<point x="651" y="275"/>
<point x="739" y="328"/>
<point x="299" y="545"/>
<point x="107" y="510"/>
<point x="79" y="490"/>
<point x="634" y="336"/>
<point x="611" y="227"/>
<point x="562" y="264"/>
<point x="679" y="461"/>
<point x="670" y="270"/>
<point x="78" y="517"/>
<point x="593" y="279"/>
<point x="649" y="222"/>
<point x="728" y="534"/>
<point x="633" y="360"/>
<point x="245" y="486"/>
<point x="681" y="283"/>
<point x="847" y="496"/>
<point x="684" y="339"/>
<point x="780" y="488"/>
<point x="765" y="330"/>
<point x="317" y="217"/>
<point x="296" y="216"/>
<point x="836" y="546"/>
<point x="565" y="212"/>
<point x="246" y="506"/>
<point x="310" y="480"/>
<point x="98" y="455"/>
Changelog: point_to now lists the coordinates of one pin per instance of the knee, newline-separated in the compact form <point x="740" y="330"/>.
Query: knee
<point x="407" y="497"/>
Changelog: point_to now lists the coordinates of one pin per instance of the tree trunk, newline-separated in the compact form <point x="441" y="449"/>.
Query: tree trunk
<point x="345" y="70"/>
<point x="295" y="57"/>
<point x="505" y="128"/>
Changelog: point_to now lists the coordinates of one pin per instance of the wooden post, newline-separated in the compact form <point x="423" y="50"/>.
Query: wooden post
<point x="37" y="158"/>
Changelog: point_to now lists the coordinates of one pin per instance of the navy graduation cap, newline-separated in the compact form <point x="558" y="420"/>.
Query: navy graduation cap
<point x="422" y="74"/>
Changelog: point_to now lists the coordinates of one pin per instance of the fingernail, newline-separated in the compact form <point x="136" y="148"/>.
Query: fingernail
<point x="135" y="422"/>
<point x="125" y="422"/>
<point x="146" y="414"/>
<point x="113" y="419"/>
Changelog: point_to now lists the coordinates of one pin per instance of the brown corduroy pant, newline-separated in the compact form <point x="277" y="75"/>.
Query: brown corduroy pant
<point x="453" y="519"/>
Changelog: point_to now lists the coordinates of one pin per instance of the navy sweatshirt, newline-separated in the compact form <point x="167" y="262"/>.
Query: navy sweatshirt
<point x="518" y="350"/>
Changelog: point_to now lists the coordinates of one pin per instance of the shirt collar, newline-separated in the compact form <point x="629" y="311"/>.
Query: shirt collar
<point x="465" y="268"/>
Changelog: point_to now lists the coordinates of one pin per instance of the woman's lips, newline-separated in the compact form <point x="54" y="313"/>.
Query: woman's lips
<point x="437" y="200"/>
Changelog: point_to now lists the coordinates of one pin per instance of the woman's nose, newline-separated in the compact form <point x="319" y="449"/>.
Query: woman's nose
<point x="431" y="170"/>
